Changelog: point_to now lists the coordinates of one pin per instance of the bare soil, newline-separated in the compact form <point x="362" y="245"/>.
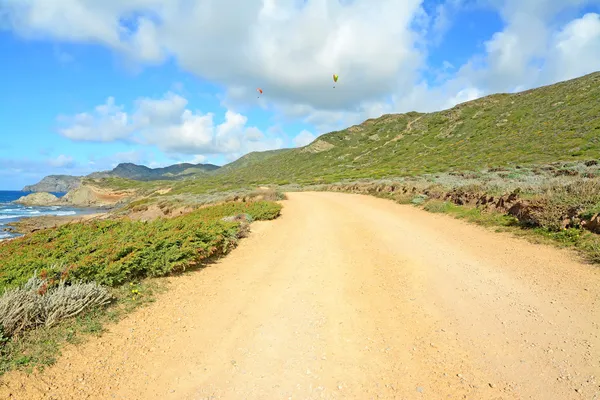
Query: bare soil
<point x="352" y="297"/>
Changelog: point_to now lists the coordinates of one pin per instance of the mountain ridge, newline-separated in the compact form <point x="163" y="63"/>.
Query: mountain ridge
<point x="66" y="183"/>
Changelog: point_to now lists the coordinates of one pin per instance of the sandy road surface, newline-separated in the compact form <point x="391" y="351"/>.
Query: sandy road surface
<point x="353" y="297"/>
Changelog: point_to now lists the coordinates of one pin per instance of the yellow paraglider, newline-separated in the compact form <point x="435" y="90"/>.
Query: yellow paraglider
<point x="335" y="79"/>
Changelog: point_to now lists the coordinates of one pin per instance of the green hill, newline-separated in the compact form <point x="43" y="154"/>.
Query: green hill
<point x="559" y="122"/>
<point x="250" y="159"/>
<point x="143" y="173"/>
<point x="552" y="123"/>
<point x="127" y="171"/>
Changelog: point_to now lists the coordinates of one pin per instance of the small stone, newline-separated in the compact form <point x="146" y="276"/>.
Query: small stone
<point x="459" y="375"/>
<point x="578" y="390"/>
<point x="420" y="389"/>
<point x="492" y="385"/>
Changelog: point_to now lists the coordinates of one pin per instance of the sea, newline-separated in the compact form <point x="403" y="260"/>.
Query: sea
<point x="11" y="212"/>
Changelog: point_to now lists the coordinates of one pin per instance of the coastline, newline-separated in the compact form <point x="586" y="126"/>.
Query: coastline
<point x="32" y="224"/>
<point x="18" y="217"/>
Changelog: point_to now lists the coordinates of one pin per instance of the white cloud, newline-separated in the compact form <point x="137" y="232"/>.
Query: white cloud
<point x="62" y="161"/>
<point x="169" y="125"/>
<point x="198" y="159"/>
<point x="253" y="134"/>
<point x="442" y="18"/>
<point x="159" y="112"/>
<point x="534" y="49"/>
<point x="464" y="95"/>
<point x="108" y="122"/>
<point x="290" y="48"/>
<point x="304" y="138"/>
<point x="577" y="48"/>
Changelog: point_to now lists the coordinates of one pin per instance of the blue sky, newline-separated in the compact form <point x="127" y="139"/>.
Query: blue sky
<point x="158" y="82"/>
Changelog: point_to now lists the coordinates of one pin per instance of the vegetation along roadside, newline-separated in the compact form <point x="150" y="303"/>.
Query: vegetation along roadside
<point x="61" y="283"/>
<point x="557" y="203"/>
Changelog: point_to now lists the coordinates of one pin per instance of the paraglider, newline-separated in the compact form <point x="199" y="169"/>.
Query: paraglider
<point x="335" y="79"/>
<point x="259" y="90"/>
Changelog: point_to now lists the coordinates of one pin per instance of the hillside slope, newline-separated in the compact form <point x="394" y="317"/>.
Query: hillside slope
<point x="551" y="123"/>
<point x="251" y="159"/>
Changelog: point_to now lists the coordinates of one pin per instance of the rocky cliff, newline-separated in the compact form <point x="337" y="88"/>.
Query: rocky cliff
<point x="55" y="183"/>
<point x="90" y="196"/>
<point x="83" y="196"/>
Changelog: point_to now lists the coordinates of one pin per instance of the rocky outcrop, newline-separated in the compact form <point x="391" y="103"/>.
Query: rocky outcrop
<point x="39" y="199"/>
<point x="593" y="224"/>
<point x="55" y="183"/>
<point x="89" y="196"/>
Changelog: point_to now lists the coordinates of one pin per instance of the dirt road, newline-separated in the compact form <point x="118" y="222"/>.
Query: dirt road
<point x="353" y="297"/>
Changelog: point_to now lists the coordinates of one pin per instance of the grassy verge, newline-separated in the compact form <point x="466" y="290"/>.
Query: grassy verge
<point x="39" y="348"/>
<point x="113" y="252"/>
<point x="122" y="255"/>
<point x="556" y="203"/>
<point x="586" y="243"/>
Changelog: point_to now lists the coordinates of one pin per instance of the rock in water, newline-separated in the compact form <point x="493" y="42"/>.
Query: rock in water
<point x="39" y="199"/>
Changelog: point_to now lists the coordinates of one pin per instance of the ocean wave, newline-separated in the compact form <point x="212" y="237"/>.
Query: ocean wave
<point x="64" y="213"/>
<point x="37" y="214"/>
<point x="12" y="216"/>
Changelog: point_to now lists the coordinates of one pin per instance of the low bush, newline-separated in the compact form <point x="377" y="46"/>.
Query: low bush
<point x="37" y="303"/>
<point x="112" y="252"/>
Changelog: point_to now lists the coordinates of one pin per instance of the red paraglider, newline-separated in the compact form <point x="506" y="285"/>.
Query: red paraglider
<point x="259" y="90"/>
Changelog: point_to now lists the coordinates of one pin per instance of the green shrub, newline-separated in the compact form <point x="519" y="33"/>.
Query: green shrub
<point x="560" y="202"/>
<point x="112" y="252"/>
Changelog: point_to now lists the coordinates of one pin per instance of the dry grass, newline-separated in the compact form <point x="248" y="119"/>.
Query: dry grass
<point x="36" y="303"/>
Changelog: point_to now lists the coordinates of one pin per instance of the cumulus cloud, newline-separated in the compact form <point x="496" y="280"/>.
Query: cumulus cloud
<point x="290" y="48"/>
<point x="304" y="138"/>
<point x="108" y="122"/>
<point x="198" y="159"/>
<point x="169" y="125"/>
<point x="533" y="49"/>
<point x="577" y="48"/>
